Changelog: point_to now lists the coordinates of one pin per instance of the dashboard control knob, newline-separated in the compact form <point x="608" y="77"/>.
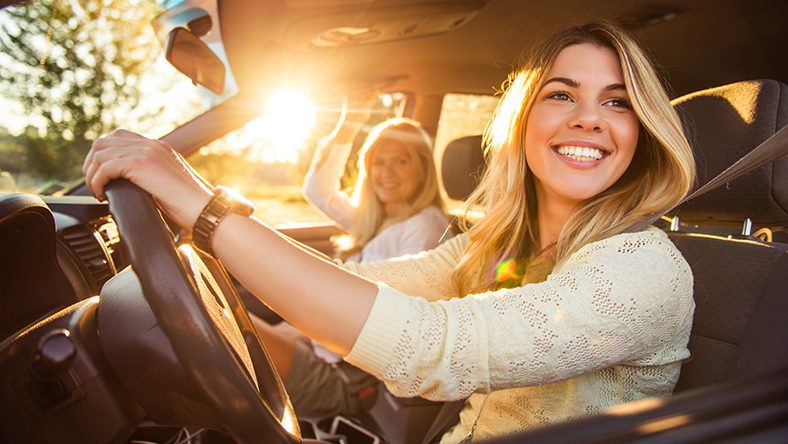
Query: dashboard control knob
<point x="56" y="351"/>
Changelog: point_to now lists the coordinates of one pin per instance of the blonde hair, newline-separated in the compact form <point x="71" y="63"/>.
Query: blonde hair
<point x="661" y="173"/>
<point x="369" y="218"/>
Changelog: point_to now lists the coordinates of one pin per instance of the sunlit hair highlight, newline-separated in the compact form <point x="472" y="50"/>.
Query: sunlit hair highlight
<point x="662" y="171"/>
<point x="370" y="218"/>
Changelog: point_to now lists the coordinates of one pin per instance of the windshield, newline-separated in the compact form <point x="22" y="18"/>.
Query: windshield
<point x="71" y="71"/>
<point x="267" y="159"/>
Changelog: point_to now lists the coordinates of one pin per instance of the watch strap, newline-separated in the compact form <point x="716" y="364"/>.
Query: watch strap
<point x="222" y="203"/>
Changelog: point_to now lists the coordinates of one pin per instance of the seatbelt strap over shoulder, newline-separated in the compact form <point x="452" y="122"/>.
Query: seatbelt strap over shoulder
<point x="768" y="151"/>
<point x="447" y="411"/>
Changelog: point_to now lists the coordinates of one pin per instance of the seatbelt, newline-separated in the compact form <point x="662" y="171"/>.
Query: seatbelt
<point x="447" y="411"/>
<point x="771" y="149"/>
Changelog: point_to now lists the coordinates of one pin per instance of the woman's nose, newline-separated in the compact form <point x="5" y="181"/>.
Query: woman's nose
<point x="587" y="116"/>
<point x="383" y="170"/>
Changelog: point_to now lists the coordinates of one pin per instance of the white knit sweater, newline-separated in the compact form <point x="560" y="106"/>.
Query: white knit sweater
<point x="610" y="326"/>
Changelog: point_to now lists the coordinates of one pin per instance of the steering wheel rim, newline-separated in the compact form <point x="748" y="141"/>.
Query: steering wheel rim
<point x="170" y="287"/>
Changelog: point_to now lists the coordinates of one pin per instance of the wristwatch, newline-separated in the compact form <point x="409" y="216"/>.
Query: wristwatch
<point x="224" y="201"/>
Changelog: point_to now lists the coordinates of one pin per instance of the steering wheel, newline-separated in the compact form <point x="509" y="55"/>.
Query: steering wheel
<point x="208" y="330"/>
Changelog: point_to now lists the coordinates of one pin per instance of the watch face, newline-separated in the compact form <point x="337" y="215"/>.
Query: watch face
<point x="237" y="202"/>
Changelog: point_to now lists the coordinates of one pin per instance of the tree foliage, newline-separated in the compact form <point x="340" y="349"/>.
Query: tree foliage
<point x="77" y="64"/>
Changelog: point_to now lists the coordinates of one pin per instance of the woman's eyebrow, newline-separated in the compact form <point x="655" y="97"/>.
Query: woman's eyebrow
<point x="575" y="84"/>
<point x="615" y="87"/>
<point x="564" y="80"/>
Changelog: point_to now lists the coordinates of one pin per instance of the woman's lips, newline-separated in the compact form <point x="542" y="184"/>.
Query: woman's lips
<point x="580" y="157"/>
<point x="580" y="153"/>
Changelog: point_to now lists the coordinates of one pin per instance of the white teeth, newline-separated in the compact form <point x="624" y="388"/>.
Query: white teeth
<point x="580" y="153"/>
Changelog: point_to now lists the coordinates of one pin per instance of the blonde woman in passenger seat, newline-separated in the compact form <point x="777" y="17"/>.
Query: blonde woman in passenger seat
<point x="396" y="208"/>
<point x="548" y="308"/>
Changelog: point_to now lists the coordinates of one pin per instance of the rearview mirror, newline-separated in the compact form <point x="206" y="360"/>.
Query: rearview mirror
<point x="192" y="57"/>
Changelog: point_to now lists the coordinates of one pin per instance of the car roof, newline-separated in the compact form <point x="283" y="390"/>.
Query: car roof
<point x="440" y="46"/>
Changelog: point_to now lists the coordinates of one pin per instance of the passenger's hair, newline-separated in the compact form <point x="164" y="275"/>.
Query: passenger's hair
<point x="369" y="218"/>
<point x="661" y="173"/>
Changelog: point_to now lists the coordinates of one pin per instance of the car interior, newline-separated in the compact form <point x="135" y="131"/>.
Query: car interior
<point x="92" y="350"/>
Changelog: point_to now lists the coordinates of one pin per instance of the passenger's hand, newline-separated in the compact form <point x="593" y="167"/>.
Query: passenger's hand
<point x="356" y="111"/>
<point x="151" y="165"/>
<point x="358" y="106"/>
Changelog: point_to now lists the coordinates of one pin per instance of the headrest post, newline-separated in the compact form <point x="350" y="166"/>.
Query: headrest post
<point x="746" y="230"/>
<point x="674" y="224"/>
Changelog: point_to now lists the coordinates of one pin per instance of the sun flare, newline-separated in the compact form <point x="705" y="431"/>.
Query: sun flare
<point x="279" y="134"/>
<point x="287" y="122"/>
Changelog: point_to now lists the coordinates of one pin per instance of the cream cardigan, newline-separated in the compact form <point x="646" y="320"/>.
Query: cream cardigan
<point x="610" y="326"/>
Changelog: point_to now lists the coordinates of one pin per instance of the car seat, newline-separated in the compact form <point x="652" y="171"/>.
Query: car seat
<point x="741" y="282"/>
<point x="29" y="246"/>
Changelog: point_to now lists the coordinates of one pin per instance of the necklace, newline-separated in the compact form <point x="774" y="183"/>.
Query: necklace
<point x="469" y="437"/>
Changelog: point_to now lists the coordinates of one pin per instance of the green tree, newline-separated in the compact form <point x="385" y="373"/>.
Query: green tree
<point x="78" y="64"/>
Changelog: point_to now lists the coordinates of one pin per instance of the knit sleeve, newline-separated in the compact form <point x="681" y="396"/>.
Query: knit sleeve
<point x="624" y="300"/>
<point x="321" y="184"/>
<point x="427" y="274"/>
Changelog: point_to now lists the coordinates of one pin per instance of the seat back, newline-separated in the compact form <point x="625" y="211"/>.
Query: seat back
<point x="741" y="285"/>
<point x="741" y="304"/>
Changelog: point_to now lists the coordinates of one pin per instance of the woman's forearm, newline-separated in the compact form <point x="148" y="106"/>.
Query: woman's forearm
<point x="322" y="300"/>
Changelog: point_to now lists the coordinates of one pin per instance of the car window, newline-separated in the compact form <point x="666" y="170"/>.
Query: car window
<point x="267" y="159"/>
<point x="462" y="115"/>
<point x="73" y="71"/>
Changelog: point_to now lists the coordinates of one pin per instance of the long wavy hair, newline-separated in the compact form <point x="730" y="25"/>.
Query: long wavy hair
<point x="661" y="173"/>
<point x="370" y="218"/>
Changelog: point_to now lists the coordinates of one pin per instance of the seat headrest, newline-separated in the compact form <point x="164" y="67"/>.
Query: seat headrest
<point x="461" y="166"/>
<point x="723" y="124"/>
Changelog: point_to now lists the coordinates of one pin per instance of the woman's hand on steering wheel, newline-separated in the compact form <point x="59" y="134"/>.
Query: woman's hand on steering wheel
<point x="151" y="165"/>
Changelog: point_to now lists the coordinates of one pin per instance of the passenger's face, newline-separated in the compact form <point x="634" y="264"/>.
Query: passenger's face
<point x="393" y="174"/>
<point x="581" y="132"/>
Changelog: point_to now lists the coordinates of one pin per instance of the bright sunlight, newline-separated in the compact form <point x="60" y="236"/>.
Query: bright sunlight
<point x="276" y="136"/>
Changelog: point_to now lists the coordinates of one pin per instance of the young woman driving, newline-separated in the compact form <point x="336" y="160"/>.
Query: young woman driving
<point x="549" y="308"/>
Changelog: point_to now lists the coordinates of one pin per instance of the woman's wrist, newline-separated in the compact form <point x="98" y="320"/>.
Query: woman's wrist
<point x="223" y="202"/>
<point x="347" y="132"/>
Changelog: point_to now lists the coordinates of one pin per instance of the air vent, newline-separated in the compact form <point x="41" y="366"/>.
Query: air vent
<point x="87" y="243"/>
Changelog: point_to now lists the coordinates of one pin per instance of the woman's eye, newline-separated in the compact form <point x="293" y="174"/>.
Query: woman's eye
<point x="560" y="95"/>
<point x="620" y="103"/>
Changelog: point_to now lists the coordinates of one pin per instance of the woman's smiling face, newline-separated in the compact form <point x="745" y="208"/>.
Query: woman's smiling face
<point x="581" y="131"/>
<point x="394" y="176"/>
